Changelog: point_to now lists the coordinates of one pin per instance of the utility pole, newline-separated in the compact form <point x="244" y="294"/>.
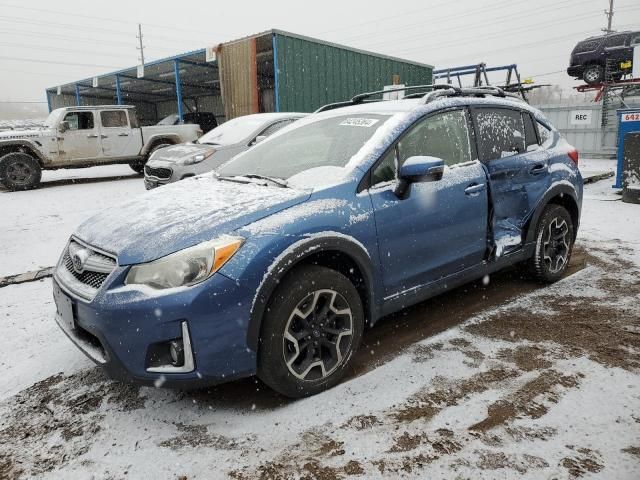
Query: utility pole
<point x="141" y="47"/>
<point x="609" y="14"/>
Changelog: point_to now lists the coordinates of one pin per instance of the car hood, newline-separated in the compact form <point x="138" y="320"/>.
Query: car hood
<point x="177" y="153"/>
<point x="26" y="133"/>
<point x="182" y="214"/>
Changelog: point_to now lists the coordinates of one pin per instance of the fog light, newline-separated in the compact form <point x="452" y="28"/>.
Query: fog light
<point x="178" y="358"/>
<point x="176" y="350"/>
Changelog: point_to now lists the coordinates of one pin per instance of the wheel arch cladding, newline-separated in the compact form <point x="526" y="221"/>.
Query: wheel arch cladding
<point x="562" y="195"/>
<point x="22" y="147"/>
<point x="339" y="253"/>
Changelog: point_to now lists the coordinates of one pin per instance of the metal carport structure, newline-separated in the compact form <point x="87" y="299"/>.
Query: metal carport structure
<point x="185" y="82"/>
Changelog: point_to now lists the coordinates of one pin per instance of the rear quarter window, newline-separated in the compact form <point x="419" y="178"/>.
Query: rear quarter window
<point x="546" y="135"/>
<point x="530" y="133"/>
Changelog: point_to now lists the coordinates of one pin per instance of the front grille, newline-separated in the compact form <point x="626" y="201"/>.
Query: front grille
<point x="93" y="279"/>
<point x="92" y="270"/>
<point x="161" y="173"/>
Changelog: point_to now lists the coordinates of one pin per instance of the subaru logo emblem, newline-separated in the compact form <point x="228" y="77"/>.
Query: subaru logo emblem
<point x="78" y="259"/>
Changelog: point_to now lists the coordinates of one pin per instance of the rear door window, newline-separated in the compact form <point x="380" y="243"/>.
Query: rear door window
<point x="114" y="118"/>
<point x="614" y="41"/>
<point x="500" y="132"/>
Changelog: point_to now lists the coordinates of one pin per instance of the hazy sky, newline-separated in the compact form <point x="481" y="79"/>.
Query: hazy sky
<point x="83" y="39"/>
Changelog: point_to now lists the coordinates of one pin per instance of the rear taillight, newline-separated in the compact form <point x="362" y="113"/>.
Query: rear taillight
<point x="573" y="155"/>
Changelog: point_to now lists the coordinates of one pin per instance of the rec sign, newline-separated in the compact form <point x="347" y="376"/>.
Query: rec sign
<point x="581" y="117"/>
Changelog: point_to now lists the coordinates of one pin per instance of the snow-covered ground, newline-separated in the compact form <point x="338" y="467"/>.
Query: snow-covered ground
<point x="540" y="383"/>
<point x="37" y="223"/>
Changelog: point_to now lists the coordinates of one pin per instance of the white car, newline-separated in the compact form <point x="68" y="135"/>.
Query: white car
<point x="75" y="137"/>
<point x="214" y="148"/>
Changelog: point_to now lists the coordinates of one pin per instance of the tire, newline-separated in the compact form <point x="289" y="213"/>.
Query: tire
<point x="593" y="74"/>
<point x="139" y="165"/>
<point x="323" y="305"/>
<point x="554" y="244"/>
<point x="20" y="171"/>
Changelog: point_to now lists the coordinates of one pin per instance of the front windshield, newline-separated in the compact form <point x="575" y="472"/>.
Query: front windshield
<point x="52" y="119"/>
<point x="329" y="142"/>
<point x="233" y="131"/>
<point x="169" y="120"/>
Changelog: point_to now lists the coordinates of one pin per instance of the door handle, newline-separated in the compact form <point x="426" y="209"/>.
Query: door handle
<point x="92" y="135"/>
<point x="123" y="134"/>
<point x="538" y="169"/>
<point x="104" y="136"/>
<point x="474" y="189"/>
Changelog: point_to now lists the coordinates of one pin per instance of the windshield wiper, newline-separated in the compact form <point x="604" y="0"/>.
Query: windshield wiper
<point x="275" y="180"/>
<point x="248" y="177"/>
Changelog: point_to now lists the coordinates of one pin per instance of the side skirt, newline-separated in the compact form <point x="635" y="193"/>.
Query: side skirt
<point x="421" y="293"/>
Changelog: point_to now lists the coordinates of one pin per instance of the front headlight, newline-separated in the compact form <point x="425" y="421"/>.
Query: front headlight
<point x="186" y="267"/>
<point x="197" y="158"/>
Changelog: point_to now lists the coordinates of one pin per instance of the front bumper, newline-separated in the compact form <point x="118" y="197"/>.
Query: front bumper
<point x="120" y="326"/>
<point x="575" y="71"/>
<point x="160" y="172"/>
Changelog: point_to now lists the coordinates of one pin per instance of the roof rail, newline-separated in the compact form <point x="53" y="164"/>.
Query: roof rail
<point x="437" y="91"/>
<point x="363" y="97"/>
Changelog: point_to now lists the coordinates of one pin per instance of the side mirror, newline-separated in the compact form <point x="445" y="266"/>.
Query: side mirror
<point x="63" y="127"/>
<point x="258" y="139"/>
<point x="418" y="169"/>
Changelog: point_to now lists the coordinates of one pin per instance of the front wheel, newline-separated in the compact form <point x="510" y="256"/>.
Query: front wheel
<point x="554" y="244"/>
<point x="20" y="171"/>
<point x="138" y="166"/>
<point x="312" y="328"/>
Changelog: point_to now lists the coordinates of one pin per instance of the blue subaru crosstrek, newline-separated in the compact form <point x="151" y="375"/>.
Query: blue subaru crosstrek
<point x="275" y="264"/>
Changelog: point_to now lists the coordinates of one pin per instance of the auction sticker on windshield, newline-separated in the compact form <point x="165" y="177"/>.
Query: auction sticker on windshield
<point x="359" y="122"/>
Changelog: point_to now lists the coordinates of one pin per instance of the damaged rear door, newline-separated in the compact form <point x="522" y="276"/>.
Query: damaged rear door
<point x="518" y="171"/>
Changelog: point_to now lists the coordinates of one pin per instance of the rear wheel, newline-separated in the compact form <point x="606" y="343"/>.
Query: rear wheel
<point x="593" y="74"/>
<point x="312" y="328"/>
<point x="554" y="244"/>
<point x="20" y="171"/>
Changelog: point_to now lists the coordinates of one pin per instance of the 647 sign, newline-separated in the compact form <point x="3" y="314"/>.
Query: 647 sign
<point x="631" y="117"/>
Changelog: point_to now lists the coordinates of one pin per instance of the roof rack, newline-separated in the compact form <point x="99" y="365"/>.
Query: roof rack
<point x="437" y="91"/>
<point x="364" y="97"/>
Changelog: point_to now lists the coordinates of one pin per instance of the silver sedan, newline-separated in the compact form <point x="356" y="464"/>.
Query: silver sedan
<point x="175" y="162"/>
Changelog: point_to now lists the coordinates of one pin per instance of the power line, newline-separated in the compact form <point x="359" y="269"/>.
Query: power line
<point x="436" y="20"/>
<point x="57" y="62"/>
<point x="452" y="32"/>
<point x="94" y="17"/>
<point x="385" y="19"/>
<point x="533" y="26"/>
<point x="62" y="50"/>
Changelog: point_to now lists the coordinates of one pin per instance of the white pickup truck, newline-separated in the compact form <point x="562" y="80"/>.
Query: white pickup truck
<point x="74" y="137"/>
